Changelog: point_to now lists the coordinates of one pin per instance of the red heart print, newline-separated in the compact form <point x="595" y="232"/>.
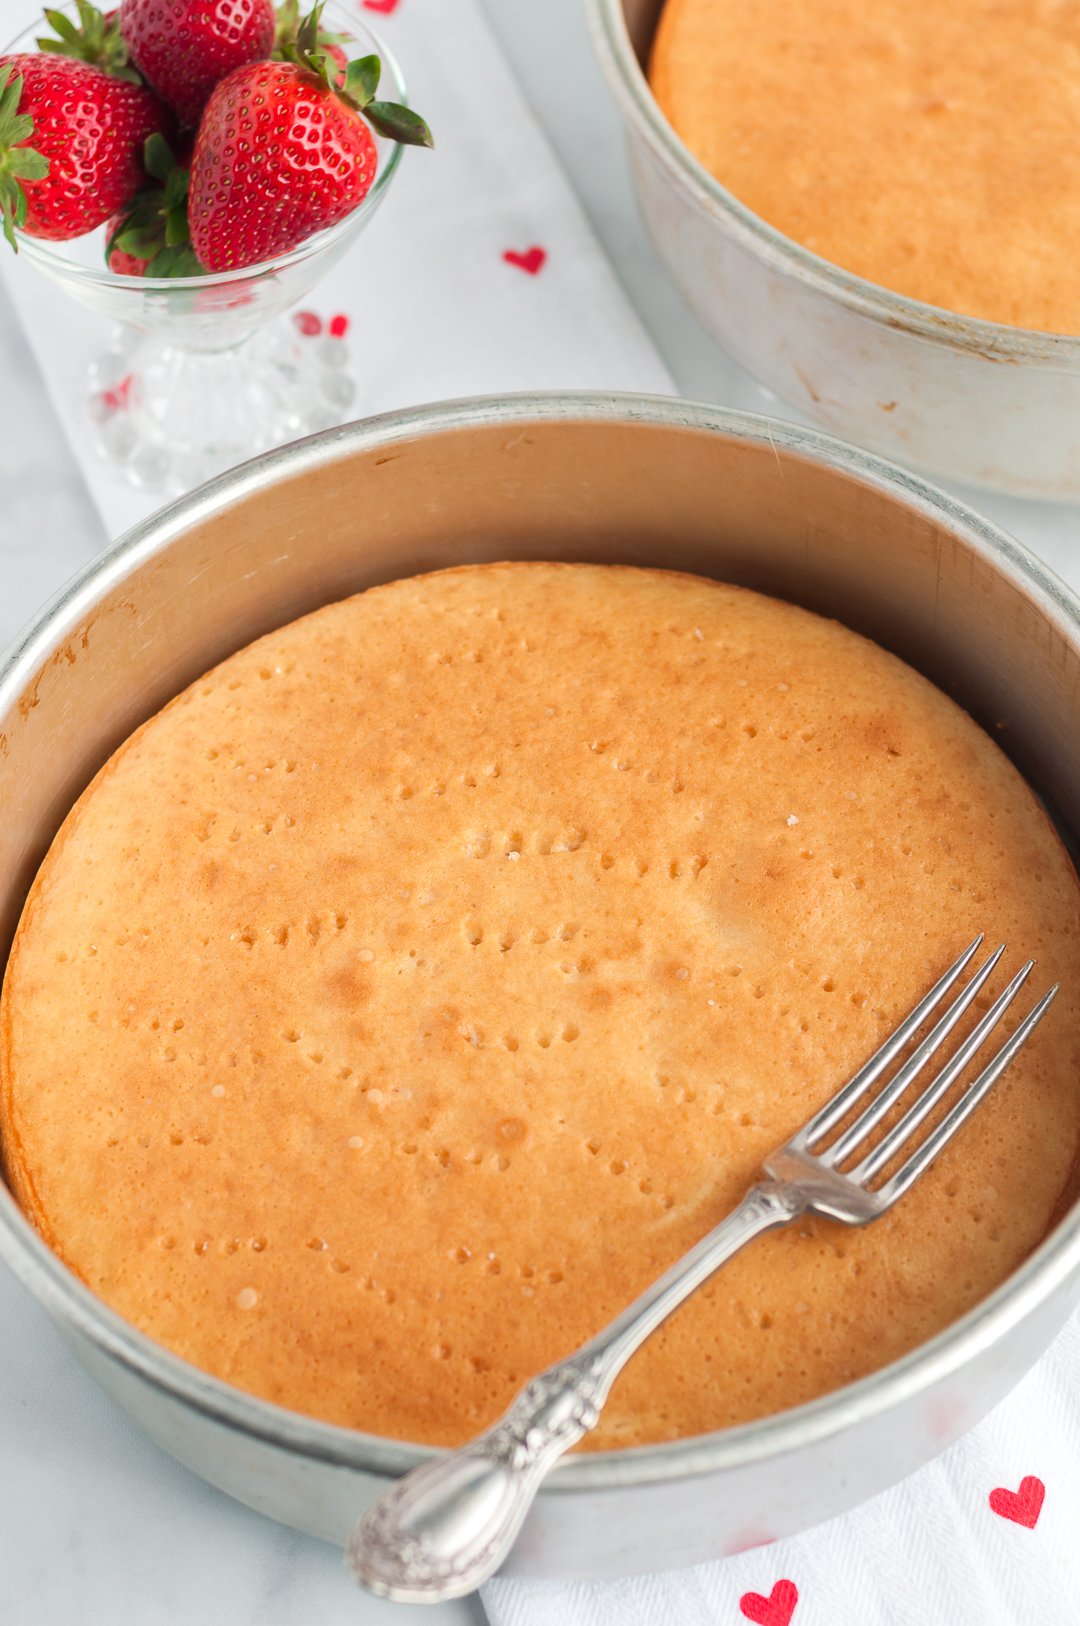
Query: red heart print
<point x="1022" y="1506"/>
<point x="531" y="261"/>
<point x="117" y="399"/>
<point x="339" y="326"/>
<point x="309" y="324"/>
<point x="775" y="1610"/>
<point x="385" y="6"/>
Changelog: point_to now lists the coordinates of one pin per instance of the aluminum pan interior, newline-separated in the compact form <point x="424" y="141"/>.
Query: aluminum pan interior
<point x="638" y="480"/>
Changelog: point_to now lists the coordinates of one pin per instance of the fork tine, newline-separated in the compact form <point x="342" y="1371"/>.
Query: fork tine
<point x="938" y="1088"/>
<point x="860" y="1082"/>
<point x="946" y="1129"/>
<point x="872" y="1115"/>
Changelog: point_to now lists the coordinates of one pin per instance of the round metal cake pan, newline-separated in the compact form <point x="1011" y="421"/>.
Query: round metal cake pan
<point x="967" y="399"/>
<point x="636" y="480"/>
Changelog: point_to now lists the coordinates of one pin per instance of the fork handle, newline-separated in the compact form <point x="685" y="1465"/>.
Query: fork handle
<point x="448" y="1525"/>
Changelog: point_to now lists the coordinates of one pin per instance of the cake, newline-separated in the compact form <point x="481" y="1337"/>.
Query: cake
<point x="932" y="149"/>
<point x="421" y="982"/>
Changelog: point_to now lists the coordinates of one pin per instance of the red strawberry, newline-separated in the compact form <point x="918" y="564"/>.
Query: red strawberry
<point x="71" y="144"/>
<point x="184" y="47"/>
<point x="280" y="154"/>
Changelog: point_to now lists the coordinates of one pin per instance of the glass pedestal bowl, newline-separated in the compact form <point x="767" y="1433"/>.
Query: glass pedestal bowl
<point x="204" y="372"/>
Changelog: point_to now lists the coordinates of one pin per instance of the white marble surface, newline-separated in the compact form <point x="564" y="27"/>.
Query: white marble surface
<point x="89" y="1510"/>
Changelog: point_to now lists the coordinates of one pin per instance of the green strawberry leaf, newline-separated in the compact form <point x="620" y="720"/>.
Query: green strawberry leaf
<point x="16" y="129"/>
<point x="362" y="79"/>
<point x="8" y="206"/>
<point x="155" y="226"/>
<point x="27" y="164"/>
<point x="143" y="209"/>
<point x="177" y="234"/>
<point x="12" y="208"/>
<point x="10" y="92"/>
<point x="307" y="35"/>
<point x="142" y="241"/>
<point x="18" y="162"/>
<point x="288" y="19"/>
<point x="286" y="37"/>
<point x="304" y="42"/>
<point x="113" y="240"/>
<point x="158" y="160"/>
<point x="94" y="38"/>
<point x="399" y="124"/>
<point x="61" y="25"/>
<point x="176" y="190"/>
<point x="176" y="262"/>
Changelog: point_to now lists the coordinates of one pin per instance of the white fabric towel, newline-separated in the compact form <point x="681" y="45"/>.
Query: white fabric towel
<point x="986" y="1535"/>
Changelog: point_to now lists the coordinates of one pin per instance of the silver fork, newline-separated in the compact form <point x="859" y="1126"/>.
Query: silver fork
<point x="447" y="1526"/>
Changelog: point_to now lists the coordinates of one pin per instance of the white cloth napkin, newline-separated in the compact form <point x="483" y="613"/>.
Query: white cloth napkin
<point x="986" y="1535"/>
<point x="433" y="307"/>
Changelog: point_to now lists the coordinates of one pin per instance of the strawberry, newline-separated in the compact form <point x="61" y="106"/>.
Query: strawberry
<point x="150" y="238"/>
<point x="184" y="47"/>
<point x="71" y="144"/>
<point x="282" y="154"/>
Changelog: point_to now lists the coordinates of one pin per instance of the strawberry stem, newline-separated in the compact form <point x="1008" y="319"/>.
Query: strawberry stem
<point x="288" y="29"/>
<point x="309" y="33"/>
<point x="303" y="42"/>
<point x="94" y="38"/>
<point x="18" y="162"/>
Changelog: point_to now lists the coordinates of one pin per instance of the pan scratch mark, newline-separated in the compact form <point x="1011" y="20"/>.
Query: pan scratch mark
<point x="776" y="454"/>
<point x="937" y="584"/>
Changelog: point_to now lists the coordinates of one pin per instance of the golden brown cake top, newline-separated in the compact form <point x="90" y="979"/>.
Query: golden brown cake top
<point x="934" y="149"/>
<point x="422" y="981"/>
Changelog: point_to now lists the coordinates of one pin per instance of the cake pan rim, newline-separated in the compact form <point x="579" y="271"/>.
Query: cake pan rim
<point x="998" y="341"/>
<point x="1049" y="1269"/>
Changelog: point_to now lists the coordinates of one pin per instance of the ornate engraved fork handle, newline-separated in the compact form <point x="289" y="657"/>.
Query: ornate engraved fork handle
<point x="447" y="1526"/>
